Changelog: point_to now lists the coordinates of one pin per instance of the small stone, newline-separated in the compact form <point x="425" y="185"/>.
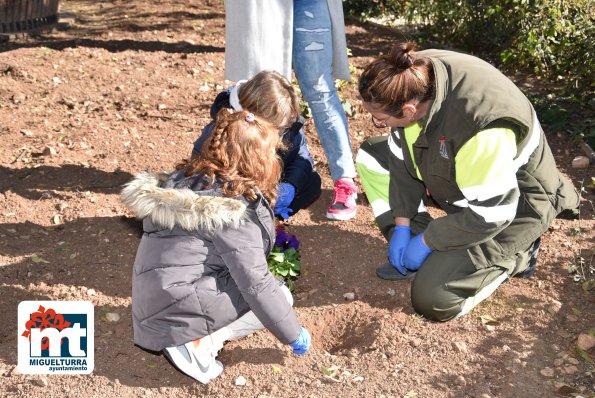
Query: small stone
<point x="49" y="151"/>
<point x="415" y="342"/>
<point x="461" y="380"/>
<point x="585" y="341"/>
<point x="580" y="162"/>
<point x="572" y="360"/>
<point x="161" y="107"/>
<point x="460" y="346"/>
<point x="505" y="348"/>
<point x="391" y="291"/>
<point x="570" y="370"/>
<point x="358" y="378"/>
<point x="547" y="372"/>
<point x="558" y="361"/>
<point x="91" y="292"/>
<point x="112" y="317"/>
<point x="571" y="318"/>
<point x="27" y="133"/>
<point x="349" y="296"/>
<point x="19" y="97"/>
<point x="41" y="382"/>
<point x="240" y="381"/>
<point x="555" y="306"/>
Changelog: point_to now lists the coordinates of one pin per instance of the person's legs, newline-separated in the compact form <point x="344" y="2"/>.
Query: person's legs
<point x="247" y="323"/>
<point x="197" y="358"/>
<point x="449" y="285"/>
<point x="312" y="63"/>
<point x="308" y="194"/>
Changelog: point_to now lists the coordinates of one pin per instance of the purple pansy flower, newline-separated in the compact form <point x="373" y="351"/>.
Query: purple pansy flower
<point x="285" y="241"/>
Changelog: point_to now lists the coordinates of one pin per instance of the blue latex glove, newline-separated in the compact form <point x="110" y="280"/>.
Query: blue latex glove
<point x="416" y="253"/>
<point x="396" y="247"/>
<point x="285" y="195"/>
<point x="302" y="344"/>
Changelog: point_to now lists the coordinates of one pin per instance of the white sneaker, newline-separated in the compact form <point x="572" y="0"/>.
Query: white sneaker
<point x="196" y="359"/>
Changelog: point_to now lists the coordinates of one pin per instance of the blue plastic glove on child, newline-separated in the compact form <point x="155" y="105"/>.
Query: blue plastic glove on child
<point x="302" y="344"/>
<point x="396" y="247"/>
<point x="416" y="253"/>
<point x="285" y="195"/>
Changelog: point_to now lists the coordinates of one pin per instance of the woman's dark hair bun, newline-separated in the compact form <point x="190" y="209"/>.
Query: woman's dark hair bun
<point x="401" y="55"/>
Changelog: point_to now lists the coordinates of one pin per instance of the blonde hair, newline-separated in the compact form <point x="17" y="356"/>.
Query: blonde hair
<point x="241" y="154"/>
<point x="271" y="96"/>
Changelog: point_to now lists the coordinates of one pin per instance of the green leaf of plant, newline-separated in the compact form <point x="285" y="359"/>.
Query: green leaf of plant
<point x="277" y="256"/>
<point x="576" y="311"/>
<point x="583" y="354"/>
<point x="37" y="259"/>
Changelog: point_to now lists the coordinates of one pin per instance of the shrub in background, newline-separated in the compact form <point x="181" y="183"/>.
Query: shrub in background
<point x="551" y="38"/>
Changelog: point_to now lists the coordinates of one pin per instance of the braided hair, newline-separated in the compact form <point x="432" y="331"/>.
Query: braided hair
<point x="241" y="155"/>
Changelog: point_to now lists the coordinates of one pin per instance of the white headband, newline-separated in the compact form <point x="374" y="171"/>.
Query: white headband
<point x="234" y="99"/>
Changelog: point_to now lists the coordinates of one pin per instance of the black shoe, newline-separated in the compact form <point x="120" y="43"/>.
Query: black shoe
<point x="390" y="273"/>
<point x="569" y="214"/>
<point x="528" y="273"/>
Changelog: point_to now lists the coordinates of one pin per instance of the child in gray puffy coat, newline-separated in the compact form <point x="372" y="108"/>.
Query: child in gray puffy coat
<point x="200" y="276"/>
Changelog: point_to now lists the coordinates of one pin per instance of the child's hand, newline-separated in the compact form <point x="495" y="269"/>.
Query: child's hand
<point x="302" y="344"/>
<point x="285" y="196"/>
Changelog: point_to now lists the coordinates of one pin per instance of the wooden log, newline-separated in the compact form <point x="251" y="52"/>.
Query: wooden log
<point x="3" y="15"/>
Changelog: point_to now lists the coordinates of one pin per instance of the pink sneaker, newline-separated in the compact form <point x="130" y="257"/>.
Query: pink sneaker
<point x="344" y="206"/>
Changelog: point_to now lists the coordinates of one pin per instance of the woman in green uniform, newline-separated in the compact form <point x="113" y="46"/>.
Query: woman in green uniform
<point x="464" y="137"/>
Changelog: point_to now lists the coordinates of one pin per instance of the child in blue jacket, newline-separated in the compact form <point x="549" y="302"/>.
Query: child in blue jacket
<point x="271" y="96"/>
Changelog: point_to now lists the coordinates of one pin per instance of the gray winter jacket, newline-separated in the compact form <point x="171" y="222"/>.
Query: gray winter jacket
<point x="201" y="263"/>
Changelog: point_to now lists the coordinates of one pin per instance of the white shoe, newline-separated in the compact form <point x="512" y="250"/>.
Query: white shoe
<point x="197" y="361"/>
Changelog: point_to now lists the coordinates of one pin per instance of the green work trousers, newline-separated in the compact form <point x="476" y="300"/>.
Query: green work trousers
<point x="448" y="284"/>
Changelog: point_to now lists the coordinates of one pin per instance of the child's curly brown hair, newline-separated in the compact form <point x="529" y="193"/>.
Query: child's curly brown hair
<point x="242" y="154"/>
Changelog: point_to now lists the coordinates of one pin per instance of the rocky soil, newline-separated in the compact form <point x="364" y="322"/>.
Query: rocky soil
<point x="126" y="86"/>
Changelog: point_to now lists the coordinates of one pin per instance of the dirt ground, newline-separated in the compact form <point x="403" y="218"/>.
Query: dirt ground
<point x="125" y="87"/>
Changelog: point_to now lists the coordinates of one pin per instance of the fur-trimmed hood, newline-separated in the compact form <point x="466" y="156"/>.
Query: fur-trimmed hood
<point x="168" y="207"/>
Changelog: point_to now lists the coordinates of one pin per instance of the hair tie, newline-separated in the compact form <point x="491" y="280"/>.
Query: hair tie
<point x="249" y="117"/>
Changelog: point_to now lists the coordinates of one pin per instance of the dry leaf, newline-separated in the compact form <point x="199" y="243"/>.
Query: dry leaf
<point x="489" y="320"/>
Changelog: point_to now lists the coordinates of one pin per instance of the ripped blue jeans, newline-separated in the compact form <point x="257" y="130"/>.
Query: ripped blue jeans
<point x="313" y="65"/>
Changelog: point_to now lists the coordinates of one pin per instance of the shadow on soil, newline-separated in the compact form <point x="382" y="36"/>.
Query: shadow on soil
<point x="31" y="183"/>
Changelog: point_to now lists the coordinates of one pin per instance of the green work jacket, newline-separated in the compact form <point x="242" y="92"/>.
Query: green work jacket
<point x="482" y="156"/>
